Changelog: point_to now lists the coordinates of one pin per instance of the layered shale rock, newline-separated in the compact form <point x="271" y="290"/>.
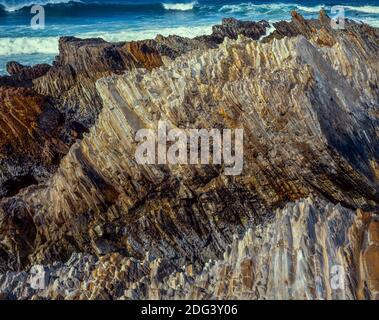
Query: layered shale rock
<point x="309" y="110"/>
<point x="22" y="76"/>
<point x="310" y="249"/>
<point x="30" y="139"/>
<point x="69" y="86"/>
<point x="81" y="62"/>
<point x="27" y="73"/>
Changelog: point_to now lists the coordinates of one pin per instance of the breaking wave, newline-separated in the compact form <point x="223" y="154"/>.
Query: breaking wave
<point x="28" y="45"/>
<point x="284" y="8"/>
<point x="156" y="5"/>
<point x="365" y="9"/>
<point x="180" y="6"/>
<point x="49" y="45"/>
<point x="18" y="5"/>
<point x="268" y="8"/>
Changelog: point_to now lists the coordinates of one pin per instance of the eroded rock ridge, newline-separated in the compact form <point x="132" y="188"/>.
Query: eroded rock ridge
<point x="307" y="200"/>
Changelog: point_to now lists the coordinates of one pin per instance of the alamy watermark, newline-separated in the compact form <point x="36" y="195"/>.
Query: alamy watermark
<point x="338" y="19"/>
<point x="38" y="20"/>
<point x="337" y="278"/>
<point x="191" y="147"/>
<point x="39" y="278"/>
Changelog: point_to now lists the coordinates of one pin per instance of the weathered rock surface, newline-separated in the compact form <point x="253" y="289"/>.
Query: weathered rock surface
<point x="22" y="76"/>
<point x="69" y="86"/>
<point x="310" y="249"/>
<point x="26" y="72"/>
<point x="309" y="109"/>
<point x="81" y="62"/>
<point x="31" y="139"/>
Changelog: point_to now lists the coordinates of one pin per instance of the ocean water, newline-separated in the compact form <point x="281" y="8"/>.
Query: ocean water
<point x="122" y="20"/>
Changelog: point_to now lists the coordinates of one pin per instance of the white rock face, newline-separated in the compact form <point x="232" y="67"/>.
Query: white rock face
<point x="310" y="250"/>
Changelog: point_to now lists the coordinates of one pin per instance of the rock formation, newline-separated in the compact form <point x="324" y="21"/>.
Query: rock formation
<point x="310" y="249"/>
<point x="69" y="88"/>
<point x="81" y="62"/>
<point x="22" y="76"/>
<point x="307" y="200"/>
<point x="30" y="139"/>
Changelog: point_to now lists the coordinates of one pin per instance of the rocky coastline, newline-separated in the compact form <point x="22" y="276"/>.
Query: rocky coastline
<point x="76" y="206"/>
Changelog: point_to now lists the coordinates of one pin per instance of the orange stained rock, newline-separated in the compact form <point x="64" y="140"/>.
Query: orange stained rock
<point x="148" y="57"/>
<point x="19" y="111"/>
<point x="372" y="267"/>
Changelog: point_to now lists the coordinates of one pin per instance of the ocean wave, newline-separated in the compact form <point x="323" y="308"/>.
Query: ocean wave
<point x="49" y="45"/>
<point x="15" y="6"/>
<point x="251" y="8"/>
<point x="130" y="35"/>
<point x="242" y="8"/>
<point x="268" y="8"/>
<point x="28" y="45"/>
<point x="311" y="9"/>
<point x="23" y="5"/>
<point x="365" y="9"/>
<point x="179" y="6"/>
<point x="372" y="22"/>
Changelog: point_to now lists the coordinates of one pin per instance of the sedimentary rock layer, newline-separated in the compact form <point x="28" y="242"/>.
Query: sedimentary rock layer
<point x="308" y="105"/>
<point x="30" y="139"/>
<point x="69" y="86"/>
<point x="80" y="63"/>
<point x="310" y="249"/>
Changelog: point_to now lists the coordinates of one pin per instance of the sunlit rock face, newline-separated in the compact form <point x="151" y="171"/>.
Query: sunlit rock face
<point x="309" y="250"/>
<point x="68" y="87"/>
<point x="81" y="62"/>
<point x="308" y="105"/>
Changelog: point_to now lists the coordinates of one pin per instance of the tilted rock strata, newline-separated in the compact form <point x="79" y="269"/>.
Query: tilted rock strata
<point x="26" y="73"/>
<point x="30" y="139"/>
<point x="310" y="121"/>
<point x="69" y="86"/>
<point x="22" y="76"/>
<point x="83" y="61"/>
<point x="293" y="255"/>
<point x="307" y="130"/>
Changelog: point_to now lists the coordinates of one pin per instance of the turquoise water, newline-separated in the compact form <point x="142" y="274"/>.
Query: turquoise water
<point x="121" y="20"/>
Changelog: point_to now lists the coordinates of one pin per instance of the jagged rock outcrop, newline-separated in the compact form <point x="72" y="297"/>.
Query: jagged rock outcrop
<point x="81" y="62"/>
<point x="321" y="30"/>
<point x="310" y="249"/>
<point x="31" y="139"/>
<point x="309" y="110"/>
<point x="69" y="86"/>
<point x="22" y="76"/>
<point x="25" y="73"/>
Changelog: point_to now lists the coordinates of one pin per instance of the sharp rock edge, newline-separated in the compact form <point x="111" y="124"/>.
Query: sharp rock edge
<point x="307" y="101"/>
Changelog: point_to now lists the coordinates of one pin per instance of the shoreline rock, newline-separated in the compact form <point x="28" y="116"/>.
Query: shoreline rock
<point x="307" y="99"/>
<point x="282" y="259"/>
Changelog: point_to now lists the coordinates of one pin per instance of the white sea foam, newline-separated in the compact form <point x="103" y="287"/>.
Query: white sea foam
<point x="269" y="30"/>
<point x="129" y="35"/>
<point x="371" y="21"/>
<point x="180" y="6"/>
<point x="311" y="9"/>
<point x="28" y="45"/>
<point x="250" y="7"/>
<point x="365" y="9"/>
<point x="267" y="8"/>
<point x="49" y="45"/>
